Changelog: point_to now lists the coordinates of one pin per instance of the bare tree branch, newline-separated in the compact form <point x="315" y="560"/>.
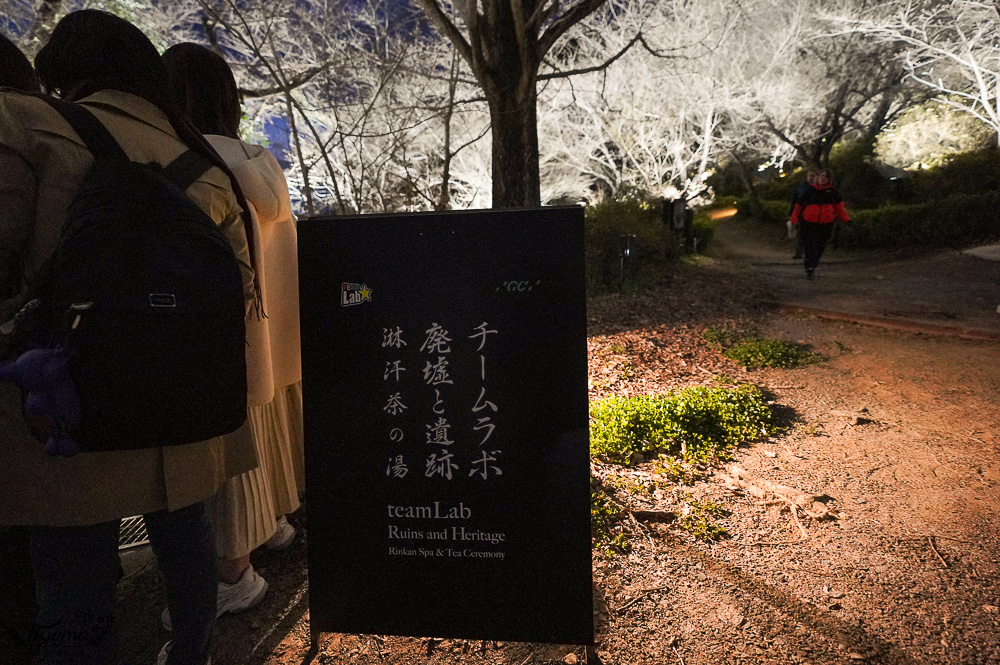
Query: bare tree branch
<point x="453" y="34"/>
<point x="596" y="68"/>
<point x="294" y="82"/>
<point x="559" y="27"/>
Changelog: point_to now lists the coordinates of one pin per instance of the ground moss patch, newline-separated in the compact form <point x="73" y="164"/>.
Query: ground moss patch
<point x="697" y="425"/>
<point x="754" y="352"/>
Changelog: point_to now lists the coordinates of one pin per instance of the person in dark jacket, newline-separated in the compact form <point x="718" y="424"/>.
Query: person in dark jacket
<point x="815" y="214"/>
<point x="16" y="616"/>
<point x="74" y="506"/>
<point x="799" y="192"/>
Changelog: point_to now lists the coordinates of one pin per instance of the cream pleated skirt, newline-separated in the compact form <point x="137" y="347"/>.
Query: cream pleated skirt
<point x="248" y="506"/>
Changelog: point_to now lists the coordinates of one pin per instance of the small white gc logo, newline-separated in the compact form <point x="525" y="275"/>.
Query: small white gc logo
<point x="518" y="285"/>
<point x="162" y="300"/>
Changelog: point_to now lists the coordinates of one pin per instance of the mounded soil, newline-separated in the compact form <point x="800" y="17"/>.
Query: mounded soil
<point x="894" y="431"/>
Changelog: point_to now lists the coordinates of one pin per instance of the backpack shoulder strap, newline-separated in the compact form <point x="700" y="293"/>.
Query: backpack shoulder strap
<point x="187" y="168"/>
<point x="98" y="139"/>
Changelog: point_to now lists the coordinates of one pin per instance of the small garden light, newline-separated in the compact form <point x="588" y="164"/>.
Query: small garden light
<point x="625" y="242"/>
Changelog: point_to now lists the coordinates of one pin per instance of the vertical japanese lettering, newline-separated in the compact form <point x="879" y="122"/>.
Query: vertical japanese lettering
<point x="393" y="369"/>
<point x="394" y="406"/>
<point x="437" y="340"/>
<point x="437" y="433"/>
<point x="440" y="465"/>
<point x="397" y="467"/>
<point x="393" y="338"/>
<point x="482" y="466"/>
<point x="437" y="373"/>
<point x="482" y="402"/>
<point x="481" y="331"/>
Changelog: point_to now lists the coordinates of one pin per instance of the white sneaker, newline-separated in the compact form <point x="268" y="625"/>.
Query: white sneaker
<point x="283" y="537"/>
<point x="231" y="598"/>
<point x="161" y="659"/>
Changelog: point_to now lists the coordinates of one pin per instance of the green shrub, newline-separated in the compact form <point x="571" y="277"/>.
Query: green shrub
<point x="697" y="518"/>
<point x="775" y="210"/>
<point x="702" y="229"/>
<point x="629" y="213"/>
<point x="698" y="424"/>
<point x="676" y="471"/>
<point x="888" y="226"/>
<point x="630" y="485"/>
<point x="955" y="221"/>
<point x="864" y="184"/>
<point x="758" y="353"/>
<point x="958" y="220"/>
<point x="702" y="527"/>
<point x="782" y="187"/>
<point x="726" y="181"/>
<point x="856" y="176"/>
<point x="723" y="338"/>
<point x="971" y="173"/>
<point x="927" y="134"/>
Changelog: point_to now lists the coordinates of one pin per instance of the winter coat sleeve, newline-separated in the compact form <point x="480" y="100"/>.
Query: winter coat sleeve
<point x="232" y="227"/>
<point x="840" y="212"/>
<point x="796" y="213"/>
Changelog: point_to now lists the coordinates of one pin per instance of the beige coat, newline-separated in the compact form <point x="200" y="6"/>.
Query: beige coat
<point x="246" y="508"/>
<point x="274" y="341"/>
<point x="42" y="162"/>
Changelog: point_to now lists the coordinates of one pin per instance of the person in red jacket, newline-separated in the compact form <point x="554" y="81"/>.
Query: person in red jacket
<point x="815" y="212"/>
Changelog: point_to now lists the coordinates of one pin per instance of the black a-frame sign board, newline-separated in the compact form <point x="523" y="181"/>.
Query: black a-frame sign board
<point x="446" y="418"/>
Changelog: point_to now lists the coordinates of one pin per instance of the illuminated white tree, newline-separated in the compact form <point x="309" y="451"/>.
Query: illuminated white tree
<point x="953" y="48"/>
<point x="383" y="114"/>
<point x="505" y="42"/>
<point x="820" y="82"/>
<point x="661" y="117"/>
<point x="378" y="116"/>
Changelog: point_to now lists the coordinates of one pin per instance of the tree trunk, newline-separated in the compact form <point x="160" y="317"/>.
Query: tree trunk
<point x="515" y="148"/>
<point x="507" y="40"/>
<point x="444" y="196"/>
<point x="507" y="74"/>
<point x="879" y="118"/>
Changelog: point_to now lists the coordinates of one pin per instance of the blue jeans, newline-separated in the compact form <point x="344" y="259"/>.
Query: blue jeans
<point x="77" y="570"/>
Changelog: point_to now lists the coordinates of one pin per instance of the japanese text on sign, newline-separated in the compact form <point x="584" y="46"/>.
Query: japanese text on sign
<point x="444" y="453"/>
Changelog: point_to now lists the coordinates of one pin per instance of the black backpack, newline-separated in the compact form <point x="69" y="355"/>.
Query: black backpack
<point x="147" y="292"/>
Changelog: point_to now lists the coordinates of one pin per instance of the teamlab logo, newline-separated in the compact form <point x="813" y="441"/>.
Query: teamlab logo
<point x="354" y="294"/>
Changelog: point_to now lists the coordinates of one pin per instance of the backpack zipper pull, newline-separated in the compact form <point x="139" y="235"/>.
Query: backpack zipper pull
<point x="79" y="308"/>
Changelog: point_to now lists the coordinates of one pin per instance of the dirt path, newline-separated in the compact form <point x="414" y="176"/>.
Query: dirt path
<point x="897" y="431"/>
<point x="945" y="289"/>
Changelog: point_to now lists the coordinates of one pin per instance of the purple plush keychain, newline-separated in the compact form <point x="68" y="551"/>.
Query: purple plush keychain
<point x="43" y="375"/>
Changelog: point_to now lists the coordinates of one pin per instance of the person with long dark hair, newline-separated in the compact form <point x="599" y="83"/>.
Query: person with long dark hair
<point x="15" y="70"/>
<point x="249" y="510"/>
<point x="74" y="505"/>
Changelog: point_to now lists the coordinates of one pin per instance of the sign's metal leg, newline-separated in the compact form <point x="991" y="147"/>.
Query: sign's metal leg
<point x="314" y="636"/>
<point x="591" y="657"/>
